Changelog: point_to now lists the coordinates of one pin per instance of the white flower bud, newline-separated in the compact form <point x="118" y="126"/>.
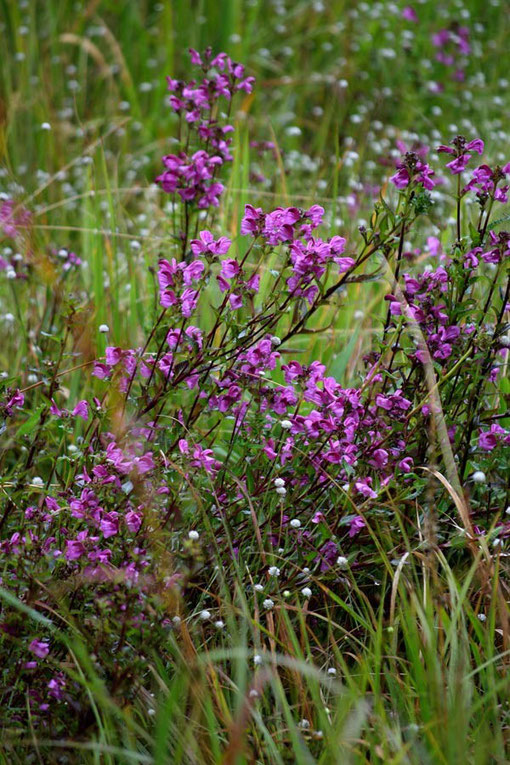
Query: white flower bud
<point x="205" y="614"/>
<point x="279" y="482"/>
<point x="295" y="523"/>
<point x="479" y="477"/>
<point x="104" y="328"/>
<point x="268" y="603"/>
<point x="273" y="571"/>
<point x="286" y="424"/>
<point x="342" y="562"/>
<point x="306" y="592"/>
<point x="193" y="535"/>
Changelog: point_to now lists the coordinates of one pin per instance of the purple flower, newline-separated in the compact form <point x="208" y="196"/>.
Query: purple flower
<point x="253" y="220"/>
<point x="81" y="410"/>
<point x="109" y="525"/>
<point x="56" y="686"/>
<point x="12" y="217"/>
<point x="235" y="301"/>
<point x="40" y="648"/>
<point x="406" y="465"/>
<point x="15" y="401"/>
<point x="206" y="244"/>
<point x="133" y="521"/>
<point x="458" y="164"/>
<point x="230" y="268"/>
<point x="412" y="168"/>
<point x="489" y="439"/>
<point x="409" y="14"/>
<point x="363" y="486"/>
<point x="74" y="549"/>
<point x="356" y="524"/>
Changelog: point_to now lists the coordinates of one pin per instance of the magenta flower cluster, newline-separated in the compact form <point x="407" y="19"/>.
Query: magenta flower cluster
<point x="193" y="176"/>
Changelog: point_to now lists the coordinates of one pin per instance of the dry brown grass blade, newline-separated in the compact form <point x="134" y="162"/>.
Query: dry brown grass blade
<point x="236" y="745"/>
<point x="92" y="50"/>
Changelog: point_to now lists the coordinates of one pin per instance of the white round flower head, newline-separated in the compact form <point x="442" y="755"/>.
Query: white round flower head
<point x="268" y="603"/>
<point x="479" y="476"/>
<point x="257" y="659"/>
<point x="72" y="448"/>
<point x="258" y="587"/>
<point x="37" y="481"/>
<point x="253" y="694"/>
<point x="342" y="562"/>
<point x="295" y="523"/>
<point x="304" y="723"/>
<point x="205" y="614"/>
<point x="306" y="592"/>
<point x="358" y="315"/>
<point x="219" y="624"/>
<point x="482" y="617"/>
<point x="176" y="621"/>
<point x="45" y="126"/>
<point x="318" y="734"/>
<point x="104" y="328"/>
<point x="286" y="593"/>
<point x="276" y="340"/>
<point x="273" y="571"/>
<point x="194" y="535"/>
<point x="281" y="490"/>
<point x="306" y="570"/>
<point x="279" y="482"/>
<point x="507" y="511"/>
<point x="286" y="424"/>
<point x="332" y="672"/>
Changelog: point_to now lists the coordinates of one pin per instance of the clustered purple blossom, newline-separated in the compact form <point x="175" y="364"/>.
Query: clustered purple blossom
<point x="193" y="175"/>
<point x="423" y="304"/>
<point x="460" y="150"/>
<point x="13" y="217"/>
<point x="453" y="49"/>
<point x="412" y="169"/>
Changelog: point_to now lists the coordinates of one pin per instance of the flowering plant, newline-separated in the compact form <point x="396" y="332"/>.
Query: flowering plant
<point x="217" y="435"/>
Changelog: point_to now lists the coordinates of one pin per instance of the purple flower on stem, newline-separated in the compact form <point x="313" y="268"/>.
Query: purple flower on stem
<point x="207" y="245"/>
<point x="40" y="648"/>
<point x="355" y="525"/>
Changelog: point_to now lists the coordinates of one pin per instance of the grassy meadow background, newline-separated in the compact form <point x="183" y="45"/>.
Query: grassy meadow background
<point x="416" y="676"/>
